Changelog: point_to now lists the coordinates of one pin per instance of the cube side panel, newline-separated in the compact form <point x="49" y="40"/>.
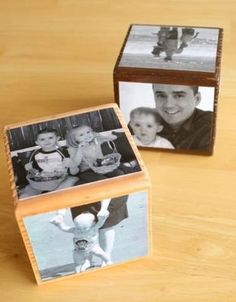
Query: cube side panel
<point x="121" y="50"/>
<point x="10" y="166"/>
<point x="219" y="54"/>
<point x="42" y="201"/>
<point x="176" y="77"/>
<point x="168" y="39"/>
<point x="131" y="141"/>
<point x="130" y="245"/>
<point x="84" y="195"/>
<point x="147" y="74"/>
<point x="165" y="77"/>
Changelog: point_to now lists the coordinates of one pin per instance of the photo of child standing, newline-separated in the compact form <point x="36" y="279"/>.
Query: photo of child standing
<point x="89" y="236"/>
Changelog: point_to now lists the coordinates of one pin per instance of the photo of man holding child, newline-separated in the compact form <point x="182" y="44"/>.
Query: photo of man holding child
<point x="167" y="116"/>
<point x="70" y="151"/>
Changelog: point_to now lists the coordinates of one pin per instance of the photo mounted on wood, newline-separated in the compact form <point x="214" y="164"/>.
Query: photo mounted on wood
<point x="69" y="151"/>
<point x="81" y="192"/>
<point x="166" y="82"/>
<point x="87" y="237"/>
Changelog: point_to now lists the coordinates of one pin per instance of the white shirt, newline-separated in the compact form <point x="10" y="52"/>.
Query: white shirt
<point x="159" y="142"/>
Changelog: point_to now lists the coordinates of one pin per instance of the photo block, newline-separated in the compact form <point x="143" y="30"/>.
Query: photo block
<point x="166" y="82"/>
<point x="171" y="48"/>
<point x="69" y="151"/>
<point x="171" y="117"/>
<point x="87" y="237"/>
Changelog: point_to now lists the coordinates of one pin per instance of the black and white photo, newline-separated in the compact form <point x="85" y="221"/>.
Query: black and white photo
<point x="94" y="235"/>
<point x="169" y="116"/>
<point x="69" y="151"/>
<point x="171" y="47"/>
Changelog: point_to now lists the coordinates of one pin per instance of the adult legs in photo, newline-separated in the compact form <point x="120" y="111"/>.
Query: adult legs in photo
<point x="107" y="239"/>
<point x="79" y="260"/>
<point x="99" y="252"/>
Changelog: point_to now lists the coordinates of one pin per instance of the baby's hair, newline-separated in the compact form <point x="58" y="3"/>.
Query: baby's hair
<point x="85" y="217"/>
<point x="71" y="137"/>
<point x="146" y="110"/>
<point x="47" y="130"/>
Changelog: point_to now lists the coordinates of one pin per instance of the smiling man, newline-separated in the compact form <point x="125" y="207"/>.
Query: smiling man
<point x="185" y="126"/>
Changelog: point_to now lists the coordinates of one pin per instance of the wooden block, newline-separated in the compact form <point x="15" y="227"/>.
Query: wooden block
<point x="166" y="82"/>
<point x="81" y="192"/>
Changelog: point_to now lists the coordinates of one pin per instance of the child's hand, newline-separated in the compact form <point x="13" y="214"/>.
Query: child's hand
<point x="188" y="38"/>
<point x="57" y="220"/>
<point x="103" y="214"/>
<point x="67" y="163"/>
<point x="29" y="166"/>
<point x="70" y="164"/>
<point x="77" y="156"/>
<point x="107" y="137"/>
<point x="131" y="164"/>
<point x="83" y="144"/>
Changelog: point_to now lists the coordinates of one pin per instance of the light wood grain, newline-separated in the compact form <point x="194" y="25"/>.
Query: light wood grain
<point x="57" y="56"/>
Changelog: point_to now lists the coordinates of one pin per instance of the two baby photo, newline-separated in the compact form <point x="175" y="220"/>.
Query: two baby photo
<point x="70" y="151"/>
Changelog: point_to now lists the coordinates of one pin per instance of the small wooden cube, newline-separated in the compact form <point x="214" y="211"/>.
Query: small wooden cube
<point x="81" y="192"/>
<point x="166" y="82"/>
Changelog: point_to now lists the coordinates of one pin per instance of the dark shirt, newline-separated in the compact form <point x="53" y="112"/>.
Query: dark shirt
<point x="193" y="134"/>
<point x="117" y="208"/>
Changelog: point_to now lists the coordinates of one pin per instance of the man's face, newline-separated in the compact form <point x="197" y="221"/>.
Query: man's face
<point x="47" y="141"/>
<point x="175" y="103"/>
<point x="145" y="127"/>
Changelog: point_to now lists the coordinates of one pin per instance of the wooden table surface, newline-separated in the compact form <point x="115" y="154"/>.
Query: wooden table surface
<point x="57" y="56"/>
